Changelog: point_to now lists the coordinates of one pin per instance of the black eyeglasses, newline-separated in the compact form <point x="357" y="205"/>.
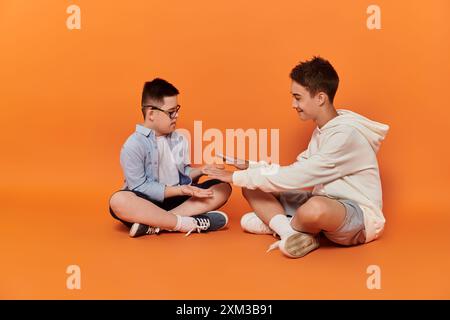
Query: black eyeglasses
<point x="170" y="114"/>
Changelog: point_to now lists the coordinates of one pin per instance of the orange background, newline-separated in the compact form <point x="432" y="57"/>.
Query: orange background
<point x="69" y="99"/>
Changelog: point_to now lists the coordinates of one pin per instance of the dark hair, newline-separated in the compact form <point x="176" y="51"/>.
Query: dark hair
<point x="316" y="75"/>
<point x="156" y="90"/>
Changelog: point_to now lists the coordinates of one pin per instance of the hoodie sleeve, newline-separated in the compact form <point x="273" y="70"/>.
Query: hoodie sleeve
<point x="337" y="157"/>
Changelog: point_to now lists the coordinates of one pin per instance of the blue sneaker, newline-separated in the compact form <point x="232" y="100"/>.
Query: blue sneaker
<point x="210" y="221"/>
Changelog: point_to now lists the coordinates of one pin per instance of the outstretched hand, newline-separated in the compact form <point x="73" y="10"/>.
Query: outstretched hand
<point x="196" y="192"/>
<point x="211" y="166"/>
<point x="220" y="174"/>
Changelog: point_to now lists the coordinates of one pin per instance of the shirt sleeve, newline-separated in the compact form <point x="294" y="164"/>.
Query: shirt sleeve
<point x="336" y="158"/>
<point x="132" y="160"/>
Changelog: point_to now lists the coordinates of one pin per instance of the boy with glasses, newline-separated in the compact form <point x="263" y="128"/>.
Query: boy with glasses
<point x="340" y="164"/>
<point x="160" y="189"/>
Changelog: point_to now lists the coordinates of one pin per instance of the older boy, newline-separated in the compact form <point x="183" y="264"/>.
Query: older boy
<point x="340" y="164"/>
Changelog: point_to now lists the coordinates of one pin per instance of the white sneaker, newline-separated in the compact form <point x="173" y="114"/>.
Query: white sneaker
<point x="250" y="222"/>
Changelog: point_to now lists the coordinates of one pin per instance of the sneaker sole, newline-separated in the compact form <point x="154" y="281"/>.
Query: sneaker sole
<point x="133" y="230"/>
<point x="298" y="245"/>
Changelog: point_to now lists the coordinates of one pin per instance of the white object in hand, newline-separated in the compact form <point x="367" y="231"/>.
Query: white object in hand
<point x="227" y="158"/>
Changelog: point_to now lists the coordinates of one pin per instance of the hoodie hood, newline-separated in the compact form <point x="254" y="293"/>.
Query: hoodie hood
<point x="373" y="131"/>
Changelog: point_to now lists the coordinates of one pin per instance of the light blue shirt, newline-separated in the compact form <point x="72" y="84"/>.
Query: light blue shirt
<point x="139" y="160"/>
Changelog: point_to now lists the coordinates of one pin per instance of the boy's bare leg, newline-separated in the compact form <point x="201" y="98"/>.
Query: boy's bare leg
<point x="317" y="214"/>
<point x="194" y="206"/>
<point x="129" y="207"/>
<point x="265" y="205"/>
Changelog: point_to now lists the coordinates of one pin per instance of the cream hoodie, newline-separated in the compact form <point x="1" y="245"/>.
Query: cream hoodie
<point x="340" y="162"/>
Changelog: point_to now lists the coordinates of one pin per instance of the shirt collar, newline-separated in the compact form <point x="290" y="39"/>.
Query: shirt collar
<point x="144" y="130"/>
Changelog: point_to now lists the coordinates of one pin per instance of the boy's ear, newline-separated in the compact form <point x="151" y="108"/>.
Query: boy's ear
<point x="150" y="114"/>
<point x="321" y="98"/>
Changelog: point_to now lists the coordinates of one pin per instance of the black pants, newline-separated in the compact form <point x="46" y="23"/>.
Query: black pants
<point x="168" y="203"/>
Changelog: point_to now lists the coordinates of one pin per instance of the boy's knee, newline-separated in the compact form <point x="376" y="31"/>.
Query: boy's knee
<point x="225" y="188"/>
<point x="118" y="200"/>
<point x="310" y="213"/>
<point x="221" y="190"/>
<point x="228" y="187"/>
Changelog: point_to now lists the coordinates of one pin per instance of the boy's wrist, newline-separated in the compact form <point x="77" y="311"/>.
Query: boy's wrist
<point x="177" y="190"/>
<point x="172" y="191"/>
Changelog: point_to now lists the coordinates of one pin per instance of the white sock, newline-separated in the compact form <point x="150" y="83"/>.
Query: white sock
<point x="281" y="224"/>
<point x="185" y="224"/>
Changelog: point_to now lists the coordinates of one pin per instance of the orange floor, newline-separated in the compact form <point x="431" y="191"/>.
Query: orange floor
<point x="45" y="232"/>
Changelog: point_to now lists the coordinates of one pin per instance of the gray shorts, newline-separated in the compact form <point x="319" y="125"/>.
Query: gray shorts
<point x="352" y="230"/>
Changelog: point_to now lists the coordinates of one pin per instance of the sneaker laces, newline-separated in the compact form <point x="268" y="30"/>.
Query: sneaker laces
<point x="274" y="246"/>
<point x="152" y="230"/>
<point x="201" y="225"/>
